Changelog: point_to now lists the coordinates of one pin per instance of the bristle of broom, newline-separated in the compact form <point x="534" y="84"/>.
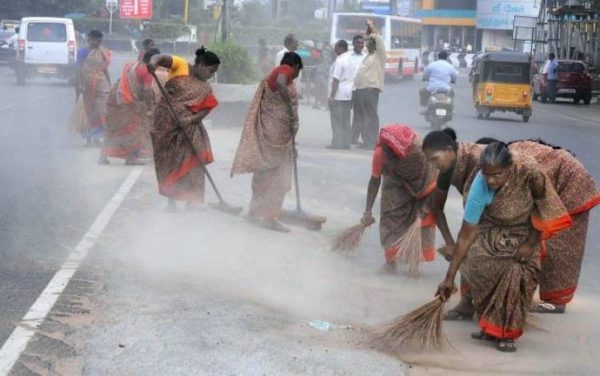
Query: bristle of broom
<point x="349" y="239"/>
<point x="417" y="331"/>
<point x="410" y="249"/>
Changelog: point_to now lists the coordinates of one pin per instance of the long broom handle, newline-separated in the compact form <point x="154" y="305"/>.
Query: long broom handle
<point x="296" y="180"/>
<point x="176" y="118"/>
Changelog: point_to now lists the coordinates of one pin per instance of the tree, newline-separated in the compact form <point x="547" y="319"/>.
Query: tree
<point x="51" y="8"/>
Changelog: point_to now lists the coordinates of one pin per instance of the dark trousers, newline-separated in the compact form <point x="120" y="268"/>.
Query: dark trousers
<point x="552" y="90"/>
<point x="366" y="120"/>
<point x="340" y="124"/>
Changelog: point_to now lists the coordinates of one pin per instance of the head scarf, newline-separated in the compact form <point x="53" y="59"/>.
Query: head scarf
<point x="398" y="138"/>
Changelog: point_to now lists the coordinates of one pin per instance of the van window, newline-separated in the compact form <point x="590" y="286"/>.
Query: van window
<point x="46" y="32"/>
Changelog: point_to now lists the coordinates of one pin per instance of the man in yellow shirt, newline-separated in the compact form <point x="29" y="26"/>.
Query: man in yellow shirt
<point x="368" y="84"/>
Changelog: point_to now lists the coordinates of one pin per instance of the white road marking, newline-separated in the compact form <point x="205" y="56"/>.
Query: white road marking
<point x="22" y="334"/>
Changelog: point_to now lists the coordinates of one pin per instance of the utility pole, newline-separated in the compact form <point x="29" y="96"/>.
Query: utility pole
<point x="224" y="25"/>
<point x="186" y="8"/>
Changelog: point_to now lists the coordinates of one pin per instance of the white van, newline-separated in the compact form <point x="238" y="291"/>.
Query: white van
<point x="46" y="47"/>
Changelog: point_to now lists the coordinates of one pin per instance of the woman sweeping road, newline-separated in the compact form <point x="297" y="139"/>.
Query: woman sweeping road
<point x="408" y="181"/>
<point x="179" y="151"/>
<point x="456" y="163"/>
<point x="94" y="85"/>
<point x="265" y="147"/>
<point x="563" y="254"/>
<point x="130" y="108"/>
<point x="511" y="205"/>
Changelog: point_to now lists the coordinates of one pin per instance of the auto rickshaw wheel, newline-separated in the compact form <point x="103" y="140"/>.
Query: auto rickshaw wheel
<point x="525" y="118"/>
<point x="479" y="115"/>
<point x="535" y="96"/>
<point x="488" y="114"/>
<point x="587" y="100"/>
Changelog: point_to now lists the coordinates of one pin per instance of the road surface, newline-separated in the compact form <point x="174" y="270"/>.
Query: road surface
<point x="204" y="293"/>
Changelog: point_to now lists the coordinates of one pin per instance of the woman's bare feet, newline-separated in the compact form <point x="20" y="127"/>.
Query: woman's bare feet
<point x="463" y="311"/>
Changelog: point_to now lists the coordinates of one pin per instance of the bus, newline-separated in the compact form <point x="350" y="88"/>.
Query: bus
<point x="401" y="35"/>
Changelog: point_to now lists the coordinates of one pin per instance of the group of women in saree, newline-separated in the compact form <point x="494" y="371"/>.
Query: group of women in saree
<point x="118" y="116"/>
<point x="526" y="216"/>
<point x="526" y="203"/>
<point x="182" y="146"/>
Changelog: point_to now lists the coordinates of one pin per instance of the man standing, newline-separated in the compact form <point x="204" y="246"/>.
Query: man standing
<point x="368" y="84"/>
<point x="552" y="76"/>
<point x="340" y="98"/>
<point x="355" y="60"/>
<point x="290" y="44"/>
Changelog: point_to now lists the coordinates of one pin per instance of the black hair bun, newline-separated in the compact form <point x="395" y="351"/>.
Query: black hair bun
<point x="200" y="51"/>
<point x="450" y="132"/>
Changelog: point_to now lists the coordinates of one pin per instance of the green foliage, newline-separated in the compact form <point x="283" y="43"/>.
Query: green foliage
<point x="249" y="35"/>
<point x="164" y="30"/>
<point x="237" y="67"/>
<point x="16" y="9"/>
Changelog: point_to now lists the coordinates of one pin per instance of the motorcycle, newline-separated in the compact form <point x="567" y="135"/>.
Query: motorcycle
<point x="439" y="109"/>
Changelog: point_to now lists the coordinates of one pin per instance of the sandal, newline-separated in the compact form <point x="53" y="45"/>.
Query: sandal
<point x="547" y="308"/>
<point x="454" y="315"/>
<point x="507" y="345"/>
<point x="481" y="336"/>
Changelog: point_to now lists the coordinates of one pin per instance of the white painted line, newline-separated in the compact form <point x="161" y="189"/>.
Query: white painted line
<point x="22" y="334"/>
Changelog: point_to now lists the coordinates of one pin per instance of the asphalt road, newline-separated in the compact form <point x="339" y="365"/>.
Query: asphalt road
<point x="53" y="188"/>
<point x="51" y="192"/>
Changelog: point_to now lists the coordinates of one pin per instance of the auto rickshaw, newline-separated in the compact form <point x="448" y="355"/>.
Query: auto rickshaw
<point x="502" y="82"/>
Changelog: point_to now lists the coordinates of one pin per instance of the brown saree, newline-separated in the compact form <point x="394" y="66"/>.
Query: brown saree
<point x="126" y="130"/>
<point x="179" y="151"/>
<point x="562" y="255"/>
<point x="266" y="150"/>
<point x="399" y="208"/>
<point x="96" y="88"/>
<point x="503" y="288"/>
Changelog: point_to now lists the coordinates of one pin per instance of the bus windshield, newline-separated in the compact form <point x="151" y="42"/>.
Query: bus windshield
<point x="350" y="25"/>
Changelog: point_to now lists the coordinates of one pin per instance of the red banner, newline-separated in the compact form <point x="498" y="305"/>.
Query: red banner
<point x="136" y="9"/>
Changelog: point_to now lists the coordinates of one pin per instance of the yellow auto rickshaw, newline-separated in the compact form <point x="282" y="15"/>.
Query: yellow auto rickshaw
<point x="502" y="82"/>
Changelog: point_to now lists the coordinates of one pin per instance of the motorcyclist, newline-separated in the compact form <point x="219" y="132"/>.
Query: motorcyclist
<point x="440" y="75"/>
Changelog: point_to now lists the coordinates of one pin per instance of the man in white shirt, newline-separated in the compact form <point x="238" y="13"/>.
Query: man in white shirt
<point x="355" y="59"/>
<point x="340" y="97"/>
<point x="290" y="44"/>
<point x="368" y="85"/>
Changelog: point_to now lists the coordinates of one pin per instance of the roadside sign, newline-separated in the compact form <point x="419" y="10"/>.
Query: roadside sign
<point x="139" y="9"/>
<point x="112" y="6"/>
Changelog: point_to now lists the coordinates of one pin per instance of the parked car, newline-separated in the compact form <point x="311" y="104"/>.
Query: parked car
<point x="574" y="82"/>
<point x="7" y="52"/>
<point x="46" y="47"/>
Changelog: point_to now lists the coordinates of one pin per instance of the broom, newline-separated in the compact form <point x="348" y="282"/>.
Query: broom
<point x="78" y="121"/>
<point x="417" y="331"/>
<point x="410" y="249"/>
<point x="349" y="239"/>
